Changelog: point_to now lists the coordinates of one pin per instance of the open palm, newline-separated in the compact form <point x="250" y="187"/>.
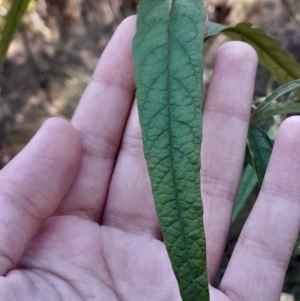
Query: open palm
<point x="77" y="214"/>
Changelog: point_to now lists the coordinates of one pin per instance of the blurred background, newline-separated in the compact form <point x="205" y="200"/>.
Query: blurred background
<point x="56" y="49"/>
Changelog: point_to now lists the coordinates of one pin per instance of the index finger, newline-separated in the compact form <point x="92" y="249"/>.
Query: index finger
<point x="100" y="120"/>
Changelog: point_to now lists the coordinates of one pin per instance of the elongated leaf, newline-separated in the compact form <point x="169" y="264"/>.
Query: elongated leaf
<point x="260" y="146"/>
<point x="276" y="109"/>
<point x="297" y="247"/>
<point x="277" y="93"/>
<point x="272" y="56"/>
<point x="12" y="23"/>
<point x="248" y="182"/>
<point x="248" y="157"/>
<point x="168" y="67"/>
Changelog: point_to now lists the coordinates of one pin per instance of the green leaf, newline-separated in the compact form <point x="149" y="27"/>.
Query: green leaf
<point x="248" y="182"/>
<point x="167" y="52"/>
<point x="277" y="93"/>
<point x="248" y="157"/>
<point x="12" y="23"/>
<point x="272" y="131"/>
<point x="214" y="29"/>
<point x="272" y="56"/>
<point x="276" y="109"/>
<point x="260" y="146"/>
<point x="297" y="247"/>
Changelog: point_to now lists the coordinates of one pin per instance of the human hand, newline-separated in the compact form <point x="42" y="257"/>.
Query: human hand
<point x="77" y="213"/>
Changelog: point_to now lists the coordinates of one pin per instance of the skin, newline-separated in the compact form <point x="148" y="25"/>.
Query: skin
<point x="77" y="214"/>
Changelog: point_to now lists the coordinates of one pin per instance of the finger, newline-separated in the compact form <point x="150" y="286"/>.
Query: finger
<point x="33" y="184"/>
<point x="258" y="265"/>
<point x="130" y="204"/>
<point x="225" y="125"/>
<point x="100" y="120"/>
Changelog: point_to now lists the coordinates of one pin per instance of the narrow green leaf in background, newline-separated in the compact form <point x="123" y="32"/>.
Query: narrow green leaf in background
<point x="12" y="23"/>
<point x="167" y="52"/>
<point x="272" y="56"/>
<point x="264" y="106"/>
<point x="248" y="157"/>
<point x="248" y="182"/>
<point x="297" y="247"/>
<point x="277" y="93"/>
<point x="260" y="146"/>
<point x="276" y="109"/>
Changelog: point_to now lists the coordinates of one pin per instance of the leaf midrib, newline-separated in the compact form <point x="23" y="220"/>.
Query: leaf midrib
<point x="170" y="135"/>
